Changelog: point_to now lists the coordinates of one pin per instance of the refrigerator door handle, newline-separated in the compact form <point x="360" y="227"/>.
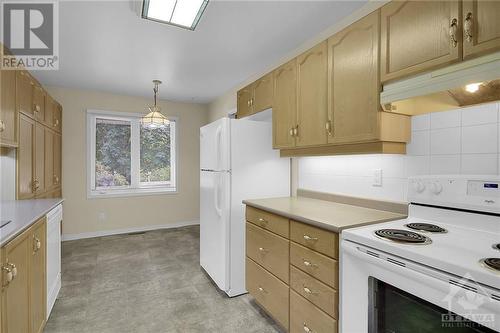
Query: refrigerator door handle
<point x="218" y="143"/>
<point x="216" y="196"/>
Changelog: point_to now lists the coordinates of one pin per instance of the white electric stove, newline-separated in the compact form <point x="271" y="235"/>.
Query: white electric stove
<point x="436" y="271"/>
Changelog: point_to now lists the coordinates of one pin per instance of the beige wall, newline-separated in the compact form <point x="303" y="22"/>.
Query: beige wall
<point x="220" y="107"/>
<point x="81" y="215"/>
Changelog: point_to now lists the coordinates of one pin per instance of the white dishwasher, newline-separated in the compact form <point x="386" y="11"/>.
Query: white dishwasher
<point x="54" y="219"/>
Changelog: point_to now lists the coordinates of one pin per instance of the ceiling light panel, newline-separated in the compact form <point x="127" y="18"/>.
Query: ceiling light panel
<point x="182" y="13"/>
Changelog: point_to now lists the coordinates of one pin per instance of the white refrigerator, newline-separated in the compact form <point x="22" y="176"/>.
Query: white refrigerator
<point x="237" y="162"/>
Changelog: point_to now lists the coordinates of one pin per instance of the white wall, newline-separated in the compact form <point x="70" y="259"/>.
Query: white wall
<point x="464" y="141"/>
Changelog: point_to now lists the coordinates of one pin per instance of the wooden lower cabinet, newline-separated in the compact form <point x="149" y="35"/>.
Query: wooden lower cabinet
<point x="294" y="275"/>
<point x="23" y="295"/>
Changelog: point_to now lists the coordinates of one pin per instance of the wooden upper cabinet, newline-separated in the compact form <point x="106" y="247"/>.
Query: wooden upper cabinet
<point x="25" y="172"/>
<point x="285" y="105"/>
<point x="353" y="82"/>
<point x="16" y="293"/>
<point x="39" y="103"/>
<point x="312" y="96"/>
<point x="24" y="92"/>
<point x="481" y="21"/>
<point x="38" y="276"/>
<point x="8" y="114"/>
<point x="39" y="159"/>
<point x="244" y="99"/>
<point x="262" y="93"/>
<point x="49" y="159"/>
<point x="415" y="36"/>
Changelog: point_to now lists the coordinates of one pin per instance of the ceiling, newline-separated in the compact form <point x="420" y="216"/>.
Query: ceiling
<point x="105" y="45"/>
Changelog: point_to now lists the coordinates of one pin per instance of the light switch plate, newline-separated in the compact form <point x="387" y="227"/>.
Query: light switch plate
<point x="377" y="177"/>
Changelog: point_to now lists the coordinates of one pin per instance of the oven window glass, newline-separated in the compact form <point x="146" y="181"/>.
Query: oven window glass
<point x="394" y="311"/>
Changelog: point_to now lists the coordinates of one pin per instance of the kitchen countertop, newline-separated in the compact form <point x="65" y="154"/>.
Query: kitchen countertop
<point x="324" y="214"/>
<point x="22" y="213"/>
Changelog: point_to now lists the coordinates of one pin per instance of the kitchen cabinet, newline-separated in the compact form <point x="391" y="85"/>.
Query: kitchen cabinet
<point x="52" y="160"/>
<point x="57" y="117"/>
<point x="24" y="277"/>
<point x="57" y="155"/>
<point x="354" y="83"/>
<point x="255" y="97"/>
<point x="285" y="105"/>
<point x="8" y="113"/>
<point x="15" y="269"/>
<point x="419" y="35"/>
<point x="312" y="97"/>
<point x="292" y="271"/>
<point x="481" y="32"/>
<point x="39" y="159"/>
<point x="25" y="172"/>
<point x="24" y="92"/>
<point x="39" y="103"/>
<point x="38" y="277"/>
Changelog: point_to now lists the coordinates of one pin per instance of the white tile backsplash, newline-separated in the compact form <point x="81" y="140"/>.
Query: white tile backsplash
<point x="463" y="141"/>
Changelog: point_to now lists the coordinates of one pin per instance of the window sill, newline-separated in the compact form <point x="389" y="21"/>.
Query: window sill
<point x="136" y="192"/>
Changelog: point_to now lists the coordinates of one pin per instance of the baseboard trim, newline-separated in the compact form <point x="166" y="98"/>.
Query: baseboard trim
<point x="69" y="237"/>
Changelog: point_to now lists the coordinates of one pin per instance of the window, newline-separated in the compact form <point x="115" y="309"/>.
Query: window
<point x="127" y="158"/>
<point x="182" y="13"/>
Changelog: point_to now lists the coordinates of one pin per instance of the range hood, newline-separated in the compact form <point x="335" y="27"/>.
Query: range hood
<point x="468" y="83"/>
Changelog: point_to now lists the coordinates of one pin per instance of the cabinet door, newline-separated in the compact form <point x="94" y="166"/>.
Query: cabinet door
<point x="39" y="103"/>
<point x="49" y="113"/>
<point x="263" y="93"/>
<point x="57" y="117"/>
<point x="8" y="114"/>
<point x="415" y="36"/>
<point x="244" y="100"/>
<point x="353" y="82"/>
<point x="57" y="177"/>
<point x="481" y="21"/>
<point x="24" y="92"/>
<point x="38" y="277"/>
<point x="49" y="160"/>
<point x="285" y="105"/>
<point x="16" y="293"/>
<point x="39" y="159"/>
<point x="25" y="158"/>
<point x="312" y="96"/>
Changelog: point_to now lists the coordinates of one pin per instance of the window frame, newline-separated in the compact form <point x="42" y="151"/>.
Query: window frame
<point x="136" y="188"/>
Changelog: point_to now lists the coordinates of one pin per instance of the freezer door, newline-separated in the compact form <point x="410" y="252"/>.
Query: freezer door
<point x="214" y="226"/>
<point x="215" y="145"/>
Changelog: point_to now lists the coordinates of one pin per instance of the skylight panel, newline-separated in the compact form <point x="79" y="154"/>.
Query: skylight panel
<point x="181" y="13"/>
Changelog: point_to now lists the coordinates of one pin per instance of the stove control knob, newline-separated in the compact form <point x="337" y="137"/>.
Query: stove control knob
<point x="436" y="188"/>
<point x="418" y="186"/>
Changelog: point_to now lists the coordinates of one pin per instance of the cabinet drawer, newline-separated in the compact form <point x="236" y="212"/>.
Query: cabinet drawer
<point x="318" y="293"/>
<point x="320" y="240"/>
<point x="321" y="267"/>
<point x="274" y="223"/>
<point x="305" y="317"/>
<point x="268" y="250"/>
<point x="268" y="291"/>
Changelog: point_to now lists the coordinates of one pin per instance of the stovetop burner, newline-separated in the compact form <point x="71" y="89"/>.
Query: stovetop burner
<point x="403" y="236"/>
<point x="492" y="263"/>
<point x="426" y="227"/>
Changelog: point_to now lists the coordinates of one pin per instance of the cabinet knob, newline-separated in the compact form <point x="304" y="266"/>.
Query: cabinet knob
<point x="263" y="250"/>
<point x="56" y="179"/>
<point x="307" y="263"/>
<point x="296" y="131"/>
<point x="468" y="27"/>
<point x="291" y="132"/>
<point x="14" y="269"/>
<point x="56" y="122"/>
<point x="308" y="291"/>
<point x="309" y="238"/>
<point x="307" y="329"/>
<point x="262" y="290"/>
<point x="37" y="108"/>
<point x="329" y="128"/>
<point x="37" y="244"/>
<point x="8" y="274"/>
<point x="453" y="32"/>
<point x="262" y="221"/>
<point x="36" y="185"/>
<point x="2" y="126"/>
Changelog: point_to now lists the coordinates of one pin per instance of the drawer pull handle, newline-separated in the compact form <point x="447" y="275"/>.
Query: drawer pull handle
<point x="308" y="291"/>
<point x="263" y="250"/>
<point x="307" y="329"/>
<point x="8" y="276"/>
<point x="262" y="221"/>
<point x="14" y="269"/>
<point x="262" y="290"/>
<point x="307" y="263"/>
<point x="309" y="238"/>
<point x="37" y="244"/>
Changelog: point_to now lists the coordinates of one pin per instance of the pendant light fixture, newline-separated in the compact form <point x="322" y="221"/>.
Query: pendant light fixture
<point x="155" y="119"/>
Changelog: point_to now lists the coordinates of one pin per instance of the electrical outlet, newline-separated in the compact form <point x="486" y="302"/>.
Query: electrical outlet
<point x="101" y="216"/>
<point x="377" y="177"/>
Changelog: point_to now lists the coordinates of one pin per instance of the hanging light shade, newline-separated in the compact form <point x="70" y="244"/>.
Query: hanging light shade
<point x="155" y="118"/>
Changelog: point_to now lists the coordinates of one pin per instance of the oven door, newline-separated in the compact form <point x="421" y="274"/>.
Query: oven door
<point x="382" y="293"/>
